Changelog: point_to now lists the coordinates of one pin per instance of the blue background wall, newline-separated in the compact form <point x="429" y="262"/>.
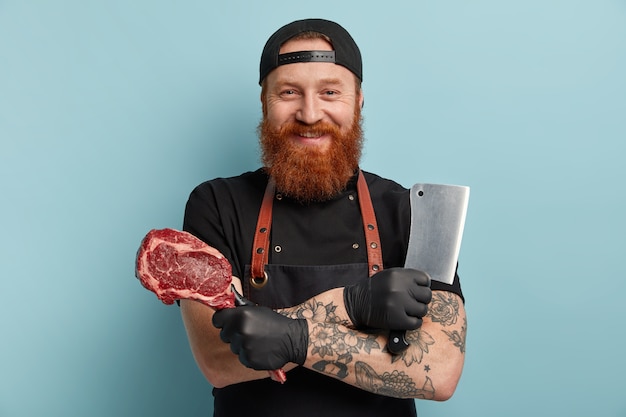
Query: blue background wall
<point x="112" y="111"/>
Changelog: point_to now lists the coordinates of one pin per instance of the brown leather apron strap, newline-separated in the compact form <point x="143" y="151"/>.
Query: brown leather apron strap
<point x="372" y="239"/>
<point x="260" y="245"/>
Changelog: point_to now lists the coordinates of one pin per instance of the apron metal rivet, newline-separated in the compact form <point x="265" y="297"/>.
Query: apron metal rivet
<point x="355" y="246"/>
<point x="259" y="250"/>
<point x="277" y="248"/>
<point x="373" y="245"/>
<point x="259" y="282"/>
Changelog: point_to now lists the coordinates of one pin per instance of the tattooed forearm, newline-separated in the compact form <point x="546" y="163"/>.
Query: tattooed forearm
<point x="359" y="357"/>
<point x="393" y="384"/>
<point x="444" y="308"/>
<point x="334" y="347"/>
<point x="458" y="338"/>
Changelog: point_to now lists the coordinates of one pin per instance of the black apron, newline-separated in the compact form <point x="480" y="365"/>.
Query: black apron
<point x="280" y="286"/>
<point x="306" y="393"/>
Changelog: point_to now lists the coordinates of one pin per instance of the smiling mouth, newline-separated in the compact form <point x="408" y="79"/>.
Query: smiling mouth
<point x="310" y="135"/>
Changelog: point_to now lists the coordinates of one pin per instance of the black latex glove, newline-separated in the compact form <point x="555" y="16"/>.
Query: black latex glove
<point x="395" y="298"/>
<point x="262" y="338"/>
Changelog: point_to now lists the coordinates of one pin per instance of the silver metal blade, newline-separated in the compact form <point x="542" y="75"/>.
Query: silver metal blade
<point x="438" y="214"/>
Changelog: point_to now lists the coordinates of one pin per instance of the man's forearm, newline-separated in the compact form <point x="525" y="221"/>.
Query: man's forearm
<point x="428" y="369"/>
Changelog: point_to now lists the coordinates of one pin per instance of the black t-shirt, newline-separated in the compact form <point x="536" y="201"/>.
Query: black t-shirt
<point x="223" y="213"/>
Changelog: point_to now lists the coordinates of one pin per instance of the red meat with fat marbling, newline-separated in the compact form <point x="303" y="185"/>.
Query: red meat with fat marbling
<point x="177" y="265"/>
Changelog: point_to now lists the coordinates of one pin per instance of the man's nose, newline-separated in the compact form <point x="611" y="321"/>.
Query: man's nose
<point x="310" y="111"/>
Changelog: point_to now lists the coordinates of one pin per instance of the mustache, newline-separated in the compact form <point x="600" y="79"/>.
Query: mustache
<point x="301" y="129"/>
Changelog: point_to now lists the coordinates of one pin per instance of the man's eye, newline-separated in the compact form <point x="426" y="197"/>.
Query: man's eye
<point x="289" y="92"/>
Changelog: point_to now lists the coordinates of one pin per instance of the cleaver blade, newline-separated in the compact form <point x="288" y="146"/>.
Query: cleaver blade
<point x="438" y="214"/>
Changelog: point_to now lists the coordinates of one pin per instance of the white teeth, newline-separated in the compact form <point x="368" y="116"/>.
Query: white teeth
<point x="309" y="135"/>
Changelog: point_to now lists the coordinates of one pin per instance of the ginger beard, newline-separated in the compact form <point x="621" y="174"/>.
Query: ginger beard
<point x="304" y="172"/>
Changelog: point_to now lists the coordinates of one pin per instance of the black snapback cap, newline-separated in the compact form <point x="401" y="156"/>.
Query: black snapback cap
<point x="346" y="53"/>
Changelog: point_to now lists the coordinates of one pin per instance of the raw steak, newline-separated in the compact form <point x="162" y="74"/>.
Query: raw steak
<point x="176" y="265"/>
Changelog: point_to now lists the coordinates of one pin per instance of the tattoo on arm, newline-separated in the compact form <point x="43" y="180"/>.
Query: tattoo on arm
<point x="316" y="311"/>
<point x="394" y="384"/>
<point x="336" y="344"/>
<point x="458" y="338"/>
<point x="336" y="347"/>
<point x="444" y="308"/>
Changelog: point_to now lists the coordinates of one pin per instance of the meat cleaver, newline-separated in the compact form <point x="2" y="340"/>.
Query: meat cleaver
<point x="437" y="220"/>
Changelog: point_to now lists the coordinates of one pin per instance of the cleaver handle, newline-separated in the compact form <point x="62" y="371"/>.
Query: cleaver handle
<point x="397" y="342"/>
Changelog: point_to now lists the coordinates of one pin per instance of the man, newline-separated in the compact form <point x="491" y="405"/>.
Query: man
<point x="317" y="248"/>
